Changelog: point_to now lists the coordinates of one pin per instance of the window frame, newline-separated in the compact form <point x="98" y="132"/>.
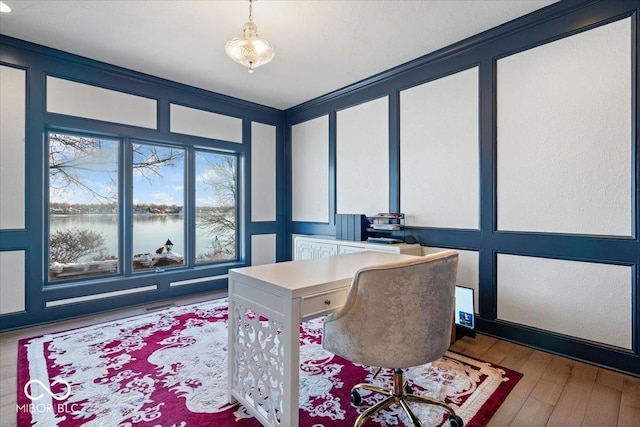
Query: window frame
<point x="130" y="214"/>
<point x="238" y="225"/>
<point x="125" y="209"/>
<point x="47" y="281"/>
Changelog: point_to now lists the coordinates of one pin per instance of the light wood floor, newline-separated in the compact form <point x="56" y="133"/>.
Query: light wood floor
<point x="555" y="391"/>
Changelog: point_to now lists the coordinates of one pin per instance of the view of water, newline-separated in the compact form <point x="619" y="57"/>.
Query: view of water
<point x="150" y="232"/>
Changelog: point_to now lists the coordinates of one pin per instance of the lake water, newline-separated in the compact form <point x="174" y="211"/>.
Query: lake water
<point x="150" y="232"/>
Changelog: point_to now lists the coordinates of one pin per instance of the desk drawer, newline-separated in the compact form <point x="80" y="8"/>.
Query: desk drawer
<point x="323" y="303"/>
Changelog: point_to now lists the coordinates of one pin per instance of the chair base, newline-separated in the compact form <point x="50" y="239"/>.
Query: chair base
<point x="400" y="396"/>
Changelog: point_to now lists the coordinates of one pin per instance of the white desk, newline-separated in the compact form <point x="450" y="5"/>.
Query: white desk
<point x="264" y="364"/>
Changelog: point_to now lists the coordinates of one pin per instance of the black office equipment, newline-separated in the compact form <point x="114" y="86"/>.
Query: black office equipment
<point x="351" y="227"/>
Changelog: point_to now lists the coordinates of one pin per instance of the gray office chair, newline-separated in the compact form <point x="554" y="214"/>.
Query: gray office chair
<point x="396" y="316"/>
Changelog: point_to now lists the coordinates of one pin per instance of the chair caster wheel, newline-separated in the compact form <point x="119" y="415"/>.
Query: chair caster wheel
<point x="356" y="399"/>
<point x="408" y="389"/>
<point x="456" y="422"/>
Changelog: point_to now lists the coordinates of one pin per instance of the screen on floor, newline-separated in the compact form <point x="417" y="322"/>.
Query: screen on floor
<point x="464" y="313"/>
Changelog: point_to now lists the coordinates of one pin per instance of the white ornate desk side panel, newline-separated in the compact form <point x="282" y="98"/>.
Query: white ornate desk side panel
<point x="264" y="317"/>
<point x="257" y="362"/>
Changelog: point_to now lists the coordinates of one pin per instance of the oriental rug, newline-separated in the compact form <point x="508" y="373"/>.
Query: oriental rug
<point x="169" y="369"/>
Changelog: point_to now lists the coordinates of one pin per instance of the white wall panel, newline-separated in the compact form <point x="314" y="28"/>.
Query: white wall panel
<point x="468" y="270"/>
<point x="263" y="249"/>
<point x="12" y="281"/>
<point x="362" y="158"/>
<point x="66" y="301"/>
<point x="585" y="300"/>
<point x="191" y="121"/>
<point x="310" y="170"/>
<point x="199" y="280"/>
<point x="12" y="147"/>
<point x="564" y="135"/>
<point x="92" y="102"/>
<point x="263" y="172"/>
<point x="439" y="152"/>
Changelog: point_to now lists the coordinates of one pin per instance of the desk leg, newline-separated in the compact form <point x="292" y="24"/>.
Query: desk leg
<point x="264" y="361"/>
<point x="232" y="325"/>
<point x="291" y="352"/>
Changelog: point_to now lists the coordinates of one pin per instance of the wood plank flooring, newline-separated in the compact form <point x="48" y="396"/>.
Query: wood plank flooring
<point x="554" y="391"/>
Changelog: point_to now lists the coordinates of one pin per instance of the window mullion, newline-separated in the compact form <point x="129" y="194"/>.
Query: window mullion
<point x="126" y="206"/>
<point x="190" y="207"/>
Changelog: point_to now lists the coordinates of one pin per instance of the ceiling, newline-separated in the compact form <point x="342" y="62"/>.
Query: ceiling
<point x="320" y="45"/>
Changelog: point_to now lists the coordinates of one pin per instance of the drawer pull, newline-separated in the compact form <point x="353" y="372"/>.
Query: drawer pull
<point x="327" y="302"/>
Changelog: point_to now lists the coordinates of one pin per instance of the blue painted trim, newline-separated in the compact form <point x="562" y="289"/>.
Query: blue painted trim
<point x="549" y="24"/>
<point x="286" y="192"/>
<point x="189" y="212"/>
<point x="125" y="205"/>
<point x="243" y="185"/>
<point x="635" y="138"/>
<point x="487" y="271"/>
<point x="333" y="191"/>
<point x="40" y="62"/>
<point x="42" y="315"/>
<point x="129" y="78"/>
<point x="610" y="357"/>
<point x="394" y="151"/>
<point x="283" y="194"/>
<point x="36" y="146"/>
<point x="264" y="227"/>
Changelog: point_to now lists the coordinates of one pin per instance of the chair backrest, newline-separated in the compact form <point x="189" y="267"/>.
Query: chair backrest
<point x="396" y="315"/>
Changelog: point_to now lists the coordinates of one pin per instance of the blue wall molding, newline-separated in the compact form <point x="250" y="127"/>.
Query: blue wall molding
<point x="555" y="22"/>
<point x="40" y="62"/>
<point x="46" y="54"/>
<point x="551" y="23"/>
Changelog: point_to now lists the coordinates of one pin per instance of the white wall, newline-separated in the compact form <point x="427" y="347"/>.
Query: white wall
<point x="564" y="135"/>
<point x="263" y="249"/>
<point x="12" y="281"/>
<point x="93" y="297"/>
<point x="440" y="152"/>
<point x="564" y="165"/>
<point x="12" y="185"/>
<point x="93" y="102"/>
<point x="12" y="147"/>
<point x="362" y="158"/>
<point x="191" y="121"/>
<point x="310" y="170"/>
<point x="580" y="299"/>
<point x="263" y="172"/>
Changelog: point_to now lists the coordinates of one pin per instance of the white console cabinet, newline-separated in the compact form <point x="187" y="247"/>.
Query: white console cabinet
<point x="308" y="247"/>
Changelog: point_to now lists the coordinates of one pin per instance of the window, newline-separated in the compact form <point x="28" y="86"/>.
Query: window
<point x="85" y="234"/>
<point x="83" y="206"/>
<point x="158" y="202"/>
<point x="216" y="213"/>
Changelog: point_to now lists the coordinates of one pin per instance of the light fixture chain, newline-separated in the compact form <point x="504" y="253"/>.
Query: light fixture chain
<point x="250" y="10"/>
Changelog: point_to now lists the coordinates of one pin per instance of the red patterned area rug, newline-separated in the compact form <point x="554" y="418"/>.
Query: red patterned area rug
<point x="169" y="368"/>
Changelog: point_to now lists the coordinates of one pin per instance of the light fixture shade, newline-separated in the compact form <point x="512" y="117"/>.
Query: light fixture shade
<point x="250" y="50"/>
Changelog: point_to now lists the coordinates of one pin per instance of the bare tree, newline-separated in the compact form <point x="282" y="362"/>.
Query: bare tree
<point x="70" y="160"/>
<point x="220" y="221"/>
<point x="147" y="159"/>
<point x="73" y="157"/>
<point x="68" y="246"/>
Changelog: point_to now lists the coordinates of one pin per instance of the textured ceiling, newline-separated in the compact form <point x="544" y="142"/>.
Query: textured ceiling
<point x="320" y="46"/>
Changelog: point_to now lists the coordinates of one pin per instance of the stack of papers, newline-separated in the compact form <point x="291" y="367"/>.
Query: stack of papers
<point x="385" y="226"/>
